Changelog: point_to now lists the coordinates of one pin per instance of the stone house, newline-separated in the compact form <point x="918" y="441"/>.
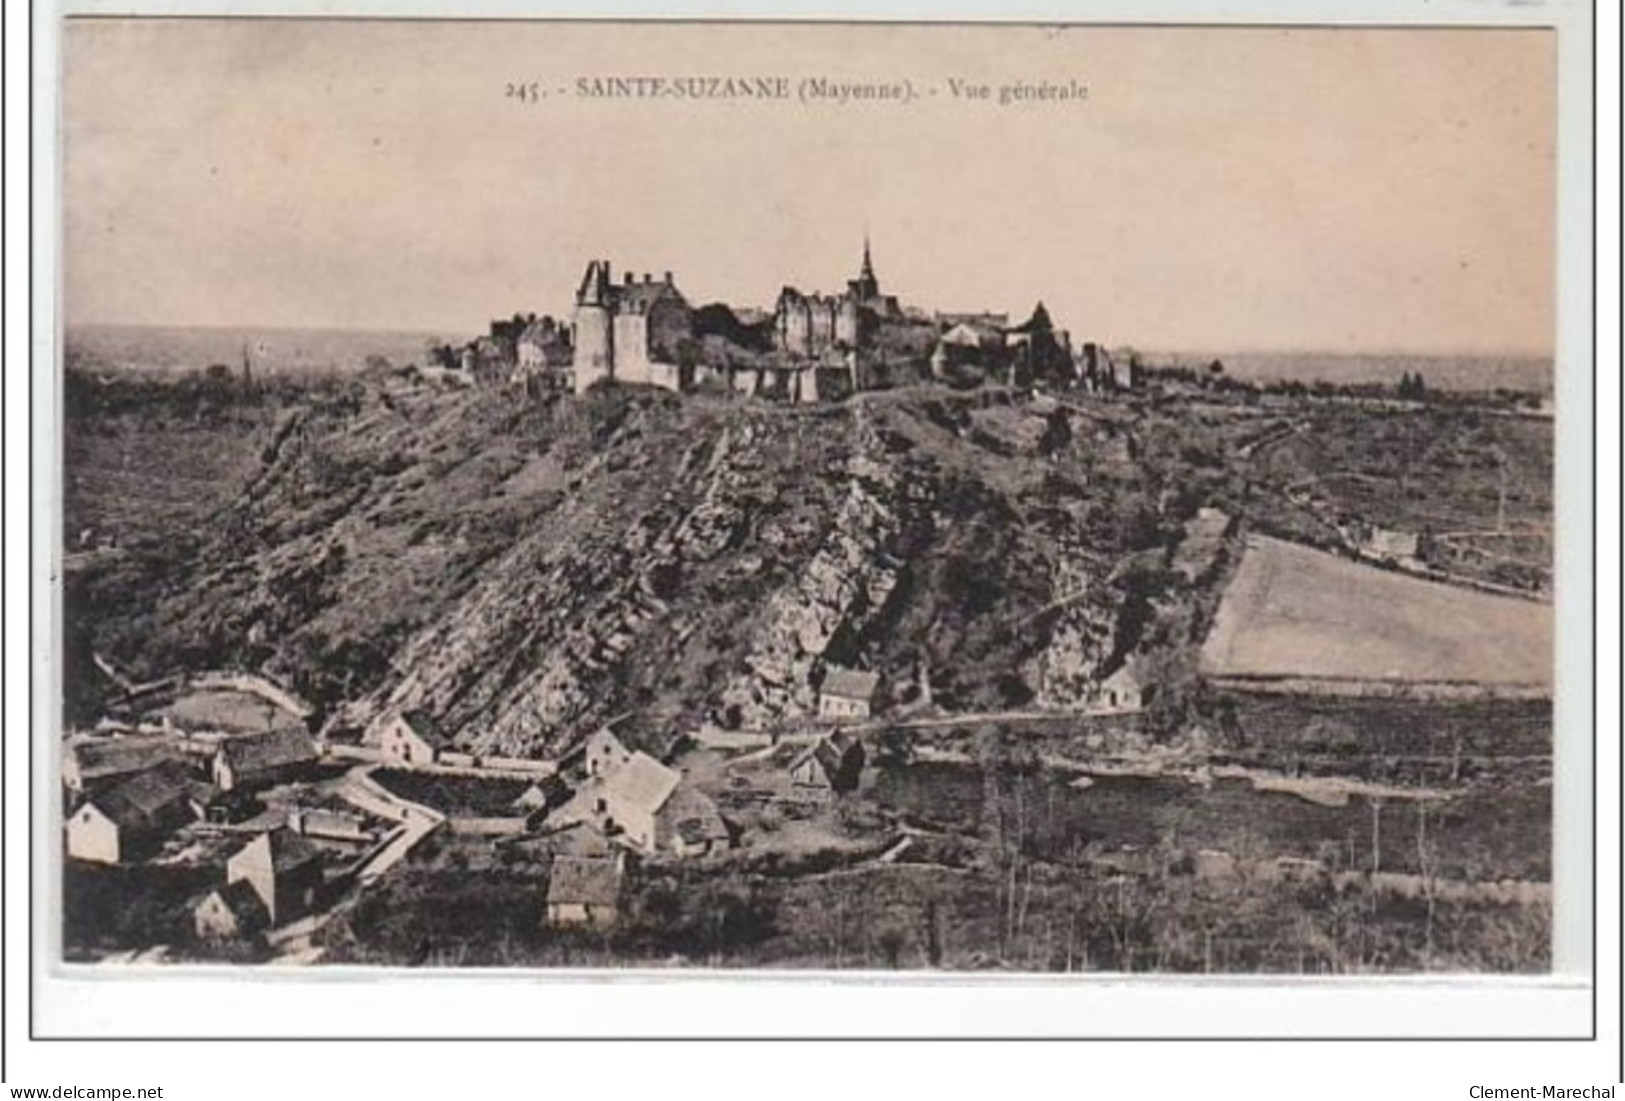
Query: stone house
<point x="260" y="759"/>
<point x="630" y="797"/>
<point x="847" y="693"/>
<point x="689" y="824"/>
<point x="830" y="766"/>
<point x="584" y="891"/>
<point x="284" y="870"/>
<point x="130" y="819"/>
<point x="334" y="825"/>
<point x="1389" y="545"/>
<point x="1123" y="692"/>
<point x="229" y="913"/>
<point x="649" y="807"/>
<point x="413" y="738"/>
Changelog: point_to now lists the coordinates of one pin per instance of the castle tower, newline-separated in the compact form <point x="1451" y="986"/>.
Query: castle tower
<point x="594" y="356"/>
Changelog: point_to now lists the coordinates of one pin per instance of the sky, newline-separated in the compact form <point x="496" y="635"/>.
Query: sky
<point x="1227" y="189"/>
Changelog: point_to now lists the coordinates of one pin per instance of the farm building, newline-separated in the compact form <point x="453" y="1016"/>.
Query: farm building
<point x="91" y="762"/>
<point x="131" y="817"/>
<point x="847" y="693"/>
<point x="605" y="753"/>
<point x="653" y="811"/>
<point x="335" y="825"/>
<point x="690" y="825"/>
<point x="284" y="870"/>
<point x="1387" y="545"/>
<point x="631" y="796"/>
<point x="99" y="835"/>
<point x="268" y="758"/>
<point x="584" y="890"/>
<point x="414" y="738"/>
<point x="229" y="912"/>
<point x="1122" y="693"/>
<point x="828" y="767"/>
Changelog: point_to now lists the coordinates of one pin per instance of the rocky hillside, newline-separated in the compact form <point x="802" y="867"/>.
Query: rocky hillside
<point x="526" y="571"/>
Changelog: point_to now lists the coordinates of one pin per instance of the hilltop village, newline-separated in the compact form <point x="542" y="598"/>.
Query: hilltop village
<point x="641" y="330"/>
<point x="838" y="634"/>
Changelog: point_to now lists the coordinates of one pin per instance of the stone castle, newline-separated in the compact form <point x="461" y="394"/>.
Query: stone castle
<point x="632" y="331"/>
<point x="810" y="326"/>
<point x="643" y="331"/>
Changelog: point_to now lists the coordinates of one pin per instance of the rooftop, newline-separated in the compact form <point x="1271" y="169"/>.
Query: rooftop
<point x="851" y="684"/>
<point x="288" y="850"/>
<point x="587" y="880"/>
<point x="272" y="749"/>
<point x="100" y="757"/>
<point x="642" y="782"/>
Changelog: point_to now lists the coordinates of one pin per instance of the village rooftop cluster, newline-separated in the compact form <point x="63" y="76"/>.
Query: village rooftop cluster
<point x="195" y="769"/>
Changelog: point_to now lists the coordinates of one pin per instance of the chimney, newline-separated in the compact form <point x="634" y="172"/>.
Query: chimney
<point x="647" y="278"/>
<point x="628" y="278"/>
<point x="668" y="277"/>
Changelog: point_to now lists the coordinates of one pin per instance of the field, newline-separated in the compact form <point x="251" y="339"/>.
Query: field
<point x="1295" y="612"/>
<point x="129" y="479"/>
<point x="1480" y="834"/>
<point x="157" y="350"/>
<point x="228" y="711"/>
<point x="1469" y="373"/>
<point x="1026" y="874"/>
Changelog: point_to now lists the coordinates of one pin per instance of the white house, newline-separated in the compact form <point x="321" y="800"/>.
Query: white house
<point x="413" y="738"/>
<point x="94" y="835"/>
<point x="121" y="822"/>
<point x="631" y="796"/>
<point x="1121" y="693"/>
<point x="847" y="693"/>
<point x="605" y="753"/>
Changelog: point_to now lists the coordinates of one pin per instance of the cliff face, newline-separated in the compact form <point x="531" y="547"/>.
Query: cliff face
<point x="527" y="572"/>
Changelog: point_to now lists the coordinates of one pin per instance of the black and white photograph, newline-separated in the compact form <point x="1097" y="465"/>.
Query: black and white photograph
<point x="874" y="499"/>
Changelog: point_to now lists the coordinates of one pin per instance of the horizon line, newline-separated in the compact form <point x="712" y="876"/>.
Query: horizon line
<point x="1214" y="351"/>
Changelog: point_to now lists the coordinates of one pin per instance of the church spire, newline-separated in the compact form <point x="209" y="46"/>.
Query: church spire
<point x="866" y="286"/>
